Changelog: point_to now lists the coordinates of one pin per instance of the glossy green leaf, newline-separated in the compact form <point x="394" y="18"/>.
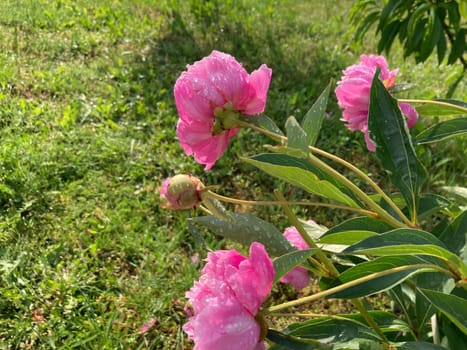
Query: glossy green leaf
<point x="299" y="172"/>
<point x="389" y="33"/>
<point x="431" y="37"/>
<point x="431" y="203"/>
<point x="409" y="242"/>
<point x="394" y="148"/>
<point x="415" y="17"/>
<point x="456" y="339"/>
<point x="441" y="48"/>
<point x="288" y="342"/>
<point x="455" y="236"/>
<point x="314" y="117"/>
<point x="458" y="47"/>
<point x="356" y="224"/>
<point x="451" y="306"/>
<point x="296" y="136"/>
<point x="266" y="123"/>
<point x="343" y="328"/>
<point x="441" y="107"/>
<point x="379" y="284"/>
<point x="247" y="228"/>
<point x="401" y="236"/>
<point x="287" y="262"/>
<point x="365" y="25"/>
<point x="442" y="131"/>
<point x="419" y="345"/>
<point x="346" y="237"/>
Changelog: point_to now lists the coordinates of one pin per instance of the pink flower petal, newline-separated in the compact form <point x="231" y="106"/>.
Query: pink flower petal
<point x="217" y="81"/>
<point x="353" y="94"/>
<point x="227" y="297"/>
<point x="410" y="112"/>
<point x="259" y="86"/>
<point x="299" y="277"/>
<point x="223" y="325"/>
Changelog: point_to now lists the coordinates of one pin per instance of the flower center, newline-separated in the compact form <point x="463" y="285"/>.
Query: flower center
<point x="225" y="119"/>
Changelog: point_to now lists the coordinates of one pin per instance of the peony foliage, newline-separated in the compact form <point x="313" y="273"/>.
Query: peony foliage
<point x="406" y="244"/>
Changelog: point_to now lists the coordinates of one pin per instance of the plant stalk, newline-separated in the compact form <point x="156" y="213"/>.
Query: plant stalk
<point x="434" y="102"/>
<point x="348" y="165"/>
<point x="371" y="322"/>
<point x="347" y="285"/>
<point x="304" y="203"/>
<point x="322" y="257"/>
<point x="384" y="215"/>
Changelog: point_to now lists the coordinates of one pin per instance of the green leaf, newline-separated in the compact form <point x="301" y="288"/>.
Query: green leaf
<point x="215" y="207"/>
<point x="247" y="228"/>
<point x="365" y="25"/>
<point x="451" y="306"/>
<point x="266" y="123"/>
<point x="431" y="37"/>
<point x="419" y="345"/>
<point x="288" y="342"/>
<point x="346" y="237"/>
<point x="314" y="117"/>
<point x="442" y="107"/>
<point x="431" y="203"/>
<point x="409" y="242"/>
<point x="415" y="17"/>
<point x="457" y="192"/>
<point x="399" y="236"/>
<point x="356" y="224"/>
<point x="296" y="136"/>
<point x="343" y="328"/>
<point x="394" y="148"/>
<point x="388" y="35"/>
<point x="442" y="131"/>
<point x="299" y="172"/>
<point x="458" y="46"/>
<point x="456" y="339"/>
<point x="441" y="48"/>
<point x="287" y="262"/>
<point x="455" y="236"/>
<point x="463" y="9"/>
<point x="379" y="284"/>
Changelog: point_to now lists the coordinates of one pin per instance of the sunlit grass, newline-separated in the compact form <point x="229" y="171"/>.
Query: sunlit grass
<point x="87" y="130"/>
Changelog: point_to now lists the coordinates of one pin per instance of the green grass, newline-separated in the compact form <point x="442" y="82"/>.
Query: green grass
<point x="87" y="130"/>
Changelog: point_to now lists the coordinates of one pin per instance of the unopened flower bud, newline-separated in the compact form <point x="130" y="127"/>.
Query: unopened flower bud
<point x="181" y="192"/>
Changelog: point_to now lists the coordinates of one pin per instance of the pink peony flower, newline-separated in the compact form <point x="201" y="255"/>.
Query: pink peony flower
<point x="227" y="298"/>
<point x="181" y="192"/>
<point x="298" y="277"/>
<point x="353" y="94"/>
<point x="209" y="96"/>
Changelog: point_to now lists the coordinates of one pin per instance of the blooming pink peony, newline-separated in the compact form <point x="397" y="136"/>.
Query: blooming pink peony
<point x="298" y="277"/>
<point x="227" y="298"/>
<point x="206" y="94"/>
<point x="353" y="94"/>
<point x="181" y="192"/>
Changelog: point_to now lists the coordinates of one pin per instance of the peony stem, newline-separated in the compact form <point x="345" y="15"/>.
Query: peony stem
<point x="304" y="203"/>
<point x="368" y="318"/>
<point x="322" y="257"/>
<point x="365" y="177"/>
<point x="355" y="189"/>
<point x="434" y="102"/>
<point x="353" y="283"/>
<point x="348" y="165"/>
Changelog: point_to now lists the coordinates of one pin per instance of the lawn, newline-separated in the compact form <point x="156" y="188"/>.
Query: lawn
<point x="87" y="130"/>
